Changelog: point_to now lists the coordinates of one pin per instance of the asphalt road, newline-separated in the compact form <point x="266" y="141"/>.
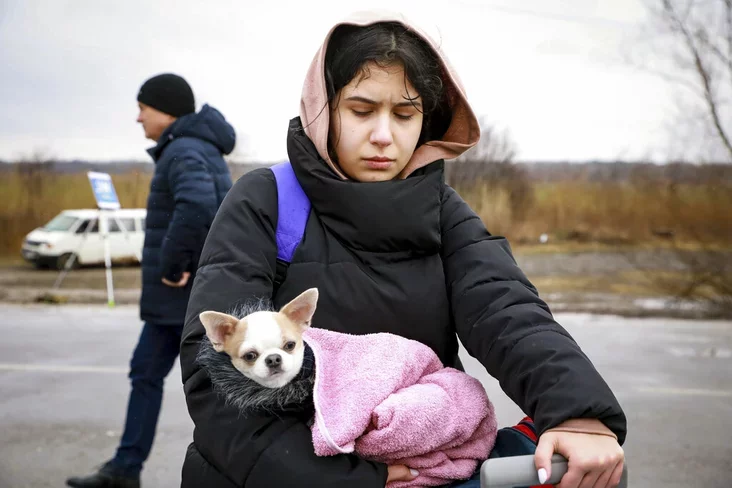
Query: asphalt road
<point x="64" y="391"/>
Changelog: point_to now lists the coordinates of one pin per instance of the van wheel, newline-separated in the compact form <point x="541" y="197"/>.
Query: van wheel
<point x="61" y="261"/>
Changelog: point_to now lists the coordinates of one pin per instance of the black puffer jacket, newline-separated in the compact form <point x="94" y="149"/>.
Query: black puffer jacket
<point x="403" y="256"/>
<point x="190" y="181"/>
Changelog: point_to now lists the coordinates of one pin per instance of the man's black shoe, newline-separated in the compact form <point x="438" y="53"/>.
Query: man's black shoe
<point x="106" y="477"/>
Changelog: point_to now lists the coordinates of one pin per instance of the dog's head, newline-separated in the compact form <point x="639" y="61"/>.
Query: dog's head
<point x="266" y="347"/>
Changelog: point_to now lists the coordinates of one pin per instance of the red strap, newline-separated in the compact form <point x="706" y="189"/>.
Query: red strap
<point x="527" y="431"/>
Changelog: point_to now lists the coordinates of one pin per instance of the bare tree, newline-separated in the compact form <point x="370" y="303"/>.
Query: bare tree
<point x="696" y="38"/>
<point x="495" y="146"/>
<point x="691" y="41"/>
<point x="489" y="166"/>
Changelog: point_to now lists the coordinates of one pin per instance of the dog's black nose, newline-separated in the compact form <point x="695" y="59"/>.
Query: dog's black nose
<point x="273" y="361"/>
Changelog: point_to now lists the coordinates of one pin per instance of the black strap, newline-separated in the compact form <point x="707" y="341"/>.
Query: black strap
<point x="280" y="275"/>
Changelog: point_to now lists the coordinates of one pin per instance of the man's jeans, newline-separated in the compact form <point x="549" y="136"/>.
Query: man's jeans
<point x="154" y="356"/>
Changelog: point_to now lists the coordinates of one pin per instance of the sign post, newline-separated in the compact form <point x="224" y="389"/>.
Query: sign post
<point x="107" y="201"/>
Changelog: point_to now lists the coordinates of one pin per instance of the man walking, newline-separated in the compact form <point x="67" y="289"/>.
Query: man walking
<point x="191" y="179"/>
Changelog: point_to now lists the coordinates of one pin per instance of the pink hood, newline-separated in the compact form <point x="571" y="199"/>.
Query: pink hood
<point x="464" y="130"/>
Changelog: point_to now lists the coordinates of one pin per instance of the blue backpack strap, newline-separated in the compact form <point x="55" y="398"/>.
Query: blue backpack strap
<point x="293" y="209"/>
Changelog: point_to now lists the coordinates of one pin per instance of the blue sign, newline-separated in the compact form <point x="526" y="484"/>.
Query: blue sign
<point x="104" y="192"/>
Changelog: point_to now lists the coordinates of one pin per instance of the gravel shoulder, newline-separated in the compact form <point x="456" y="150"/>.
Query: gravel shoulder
<point x="607" y="282"/>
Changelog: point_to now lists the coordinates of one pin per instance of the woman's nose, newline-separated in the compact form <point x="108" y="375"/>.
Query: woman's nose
<point x="381" y="134"/>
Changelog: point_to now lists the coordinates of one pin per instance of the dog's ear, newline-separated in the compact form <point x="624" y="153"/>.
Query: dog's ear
<point x="219" y="327"/>
<point x="301" y="310"/>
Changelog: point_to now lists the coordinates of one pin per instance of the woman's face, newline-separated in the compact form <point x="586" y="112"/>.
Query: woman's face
<point x="374" y="126"/>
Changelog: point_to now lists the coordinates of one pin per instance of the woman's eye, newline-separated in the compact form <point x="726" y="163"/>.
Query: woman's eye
<point x="250" y="357"/>
<point x="358" y="113"/>
<point x="290" y="346"/>
<point x="404" y="117"/>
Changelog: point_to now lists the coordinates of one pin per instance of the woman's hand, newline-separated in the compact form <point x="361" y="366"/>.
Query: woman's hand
<point x="594" y="455"/>
<point x="400" y="472"/>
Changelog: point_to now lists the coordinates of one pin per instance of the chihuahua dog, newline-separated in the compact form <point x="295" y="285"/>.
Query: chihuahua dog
<point x="265" y="346"/>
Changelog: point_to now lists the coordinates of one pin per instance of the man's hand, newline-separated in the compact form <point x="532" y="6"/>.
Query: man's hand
<point x="400" y="472"/>
<point x="180" y="284"/>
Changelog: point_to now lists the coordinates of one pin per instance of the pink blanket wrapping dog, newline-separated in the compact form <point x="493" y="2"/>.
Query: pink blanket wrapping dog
<point x="390" y="399"/>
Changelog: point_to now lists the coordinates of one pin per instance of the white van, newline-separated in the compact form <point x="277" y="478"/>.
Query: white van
<point x="64" y="236"/>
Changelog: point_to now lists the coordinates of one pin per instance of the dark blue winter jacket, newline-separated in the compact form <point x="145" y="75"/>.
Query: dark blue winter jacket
<point x="190" y="181"/>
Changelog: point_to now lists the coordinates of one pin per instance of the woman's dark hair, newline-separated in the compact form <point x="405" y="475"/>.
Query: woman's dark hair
<point x="351" y="47"/>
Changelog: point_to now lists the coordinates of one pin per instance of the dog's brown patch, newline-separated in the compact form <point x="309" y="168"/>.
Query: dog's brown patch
<point x="233" y="341"/>
<point x="290" y="330"/>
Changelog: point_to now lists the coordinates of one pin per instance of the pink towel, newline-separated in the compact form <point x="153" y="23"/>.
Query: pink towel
<point x="389" y="399"/>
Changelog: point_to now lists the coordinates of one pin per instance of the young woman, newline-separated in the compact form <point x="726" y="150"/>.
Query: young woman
<point x="391" y="248"/>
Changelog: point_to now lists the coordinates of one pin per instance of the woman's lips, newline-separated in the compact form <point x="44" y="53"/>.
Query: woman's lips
<point x="379" y="163"/>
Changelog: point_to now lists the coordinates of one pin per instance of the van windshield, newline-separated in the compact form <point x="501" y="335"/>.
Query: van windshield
<point x="60" y="223"/>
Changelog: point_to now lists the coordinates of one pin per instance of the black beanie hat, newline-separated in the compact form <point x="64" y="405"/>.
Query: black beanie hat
<point x="168" y="93"/>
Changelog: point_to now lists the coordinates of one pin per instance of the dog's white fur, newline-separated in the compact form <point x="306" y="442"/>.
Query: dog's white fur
<point x="261" y="336"/>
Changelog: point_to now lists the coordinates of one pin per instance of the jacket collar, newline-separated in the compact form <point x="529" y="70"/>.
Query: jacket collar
<point x="207" y="125"/>
<point x="401" y="215"/>
<point x="165" y="138"/>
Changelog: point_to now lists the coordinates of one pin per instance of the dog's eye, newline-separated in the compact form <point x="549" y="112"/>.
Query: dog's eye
<point x="290" y="346"/>
<point x="250" y="357"/>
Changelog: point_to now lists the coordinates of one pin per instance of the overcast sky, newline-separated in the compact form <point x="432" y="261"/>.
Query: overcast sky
<point x="553" y="72"/>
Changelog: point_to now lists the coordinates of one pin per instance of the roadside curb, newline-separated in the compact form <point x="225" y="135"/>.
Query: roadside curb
<point x="592" y="303"/>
